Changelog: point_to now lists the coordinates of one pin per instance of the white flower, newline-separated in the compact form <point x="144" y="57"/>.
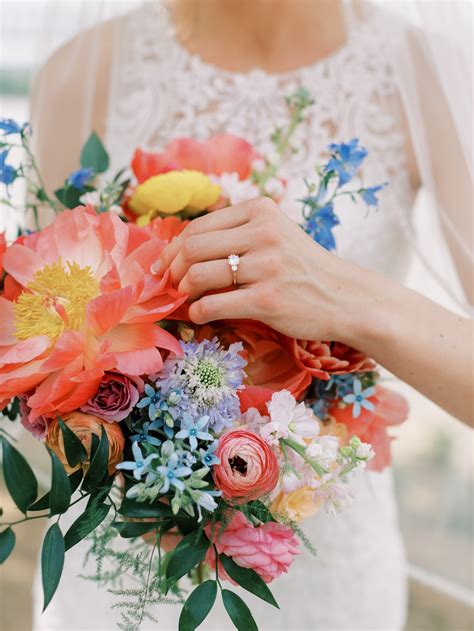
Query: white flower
<point x="254" y="420"/>
<point x="258" y="165"/>
<point x="234" y="189"/>
<point x="92" y="198"/>
<point x="324" y="450"/>
<point x="290" y="481"/>
<point x="365" y="451"/>
<point x="116" y="209"/>
<point x="275" y="188"/>
<point x="291" y="419"/>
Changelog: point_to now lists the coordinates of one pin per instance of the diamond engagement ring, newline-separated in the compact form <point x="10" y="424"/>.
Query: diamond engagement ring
<point x="233" y="260"/>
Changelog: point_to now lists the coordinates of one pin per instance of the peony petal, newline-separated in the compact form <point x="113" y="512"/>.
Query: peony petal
<point x="231" y="154"/>
<point x="106" y="311"/>
<point x="191" y="154"/>
<point x="7" y="320"/>
<point x="147" y="361"/>
<point x="24" y="351"/>
<point x="22" y="263"/>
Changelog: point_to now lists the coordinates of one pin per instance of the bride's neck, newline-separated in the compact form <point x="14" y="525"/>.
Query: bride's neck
<point x="276" y="35"/>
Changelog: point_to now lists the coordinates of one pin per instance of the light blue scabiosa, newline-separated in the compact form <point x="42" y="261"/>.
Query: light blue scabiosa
<point x="143" y="435"/>
<point x="141" y="465"/>
<point x="208" y="377"/>
<point x="194" y="430"/>
<point x="171" y="472"/>
<point x="360" y="398"/>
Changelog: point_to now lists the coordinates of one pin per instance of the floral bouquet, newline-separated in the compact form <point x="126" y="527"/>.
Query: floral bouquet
<point x="226" y="435"/>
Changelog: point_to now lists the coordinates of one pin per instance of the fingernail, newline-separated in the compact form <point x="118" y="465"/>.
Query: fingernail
<point x="156" y="267"/>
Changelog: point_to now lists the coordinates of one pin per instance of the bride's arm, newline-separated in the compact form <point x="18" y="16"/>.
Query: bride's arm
<point x="300" y="289"/>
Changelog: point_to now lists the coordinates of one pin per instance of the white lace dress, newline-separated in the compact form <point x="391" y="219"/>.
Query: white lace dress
<point x="160" y="92"/>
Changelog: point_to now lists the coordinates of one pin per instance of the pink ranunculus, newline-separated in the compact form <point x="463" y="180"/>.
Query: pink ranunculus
<point x="39" y="426"/>
<point x="248" y="467"/>
<point x="268" y="549"/>
<point x="116" y="397"/>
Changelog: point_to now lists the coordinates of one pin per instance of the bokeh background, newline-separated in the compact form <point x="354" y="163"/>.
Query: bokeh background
<point x="433" y="453"/>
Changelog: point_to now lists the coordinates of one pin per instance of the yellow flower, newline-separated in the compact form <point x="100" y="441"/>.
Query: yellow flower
<point x="296" y="505"/>
<point x="173" y="192"/>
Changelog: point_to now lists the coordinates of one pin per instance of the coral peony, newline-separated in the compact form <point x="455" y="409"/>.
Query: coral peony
<point x="116" y="397"/>
<point x="84" y="425"/>
<point x="390" y="408"/>
<point x="223" y="153"/>
<point x="248" y="468"/>
<point x="321" y="359"/>
<point x="87" y="303"/>
<point x="268" y="549"/>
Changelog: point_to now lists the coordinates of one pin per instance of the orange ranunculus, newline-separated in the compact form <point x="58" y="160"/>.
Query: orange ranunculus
<point x="84" y="425"/>
<point x="88" y="303"/>
<point x="223" y="153"/>
<point x="271" y="365"/>
<point x="371" y="427"/>
<point x="166" y="228"/>
<point x="321" y="359"/>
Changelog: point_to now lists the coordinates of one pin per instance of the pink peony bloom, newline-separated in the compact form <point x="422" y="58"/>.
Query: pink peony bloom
<point x="39" y="426"/>
<point x="371" y="427"/>
<point x="248" y="468"/>
<point x="223" y="153"/>
<point x="84" y="302"/>
<point x="116" y="397"/>
<point x="268" y="549"/>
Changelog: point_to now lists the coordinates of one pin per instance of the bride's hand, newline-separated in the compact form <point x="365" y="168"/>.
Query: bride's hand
<point x="284" y="278"/>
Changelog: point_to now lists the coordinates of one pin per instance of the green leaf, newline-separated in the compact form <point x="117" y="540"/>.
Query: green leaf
<point x="187" y="554"/>
<point x="19" y="478"/>
<point x="52" y="561"/>
<point x="85" y="524"/>
<point x="7" y="543"/>
<point x="185" y="522"/>
<point x="99" y="465"/>
<point x="248" y="579"/>
<point x="131" y="529"/>
<point x="197" y="606"/>
<point x="132" y="508"/>
<point x="43" y="502"/>
<point x="238" y="611"/>
<point x="94" y="155"/>
<point x="99" y="495"/>
<point x="73" y="447"/>
<point x="60" y="494"/>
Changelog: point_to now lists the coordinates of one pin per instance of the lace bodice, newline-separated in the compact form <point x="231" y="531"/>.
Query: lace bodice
<point x="160" y="91"/>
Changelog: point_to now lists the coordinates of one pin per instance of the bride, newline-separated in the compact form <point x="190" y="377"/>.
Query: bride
<point x="196" y="68"/>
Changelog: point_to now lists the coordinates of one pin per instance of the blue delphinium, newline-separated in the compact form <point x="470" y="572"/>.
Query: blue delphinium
<point x="360" y="398"/>
<point x="207" y="378"/>
<point x="8" y="126"/>
<point x="369" y="195"/>
<point x="7" y="172"/>
<point x="140" y="465"/>
<point x="78" y="179"/>
<point x="346" y="159"/>
<point x="320" y="224"/>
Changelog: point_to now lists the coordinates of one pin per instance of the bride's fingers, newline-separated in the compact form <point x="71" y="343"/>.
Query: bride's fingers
<point x="237" y="304"/>
<point x="223" y="219"/>
<point x="210" y="246"/>
<point x="202" y="277"/>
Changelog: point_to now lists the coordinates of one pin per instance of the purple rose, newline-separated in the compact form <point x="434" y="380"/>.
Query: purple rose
<point x="116" y="397"/>
<point x="39" y="426"/>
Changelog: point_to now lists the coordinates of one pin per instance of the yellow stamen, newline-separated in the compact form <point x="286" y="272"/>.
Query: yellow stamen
<point x="55" y="301"/>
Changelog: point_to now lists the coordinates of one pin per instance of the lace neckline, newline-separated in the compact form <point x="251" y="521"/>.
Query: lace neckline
<point x="161" y="12"/>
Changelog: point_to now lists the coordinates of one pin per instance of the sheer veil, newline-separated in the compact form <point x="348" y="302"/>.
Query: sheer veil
<point x="432" y="59"/>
